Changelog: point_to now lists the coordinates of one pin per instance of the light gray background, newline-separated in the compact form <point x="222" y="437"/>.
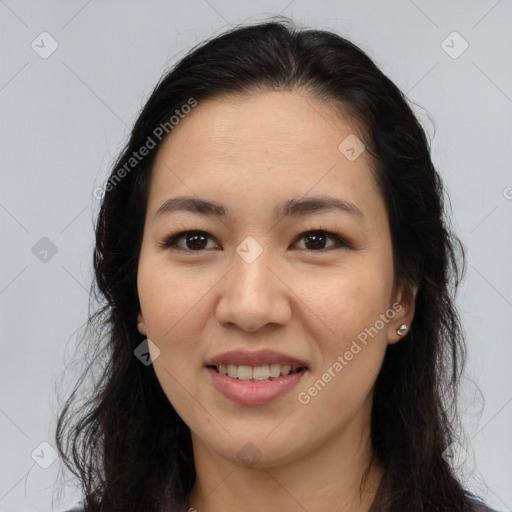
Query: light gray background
<point x="64" y="118"/>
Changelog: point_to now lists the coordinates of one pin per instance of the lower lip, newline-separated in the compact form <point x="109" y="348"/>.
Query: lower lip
<point x="250" y="392"/>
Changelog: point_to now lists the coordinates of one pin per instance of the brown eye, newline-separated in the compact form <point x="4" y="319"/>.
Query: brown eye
<point x="192" y="241"/>
<point x="316" y="240"/>
<point x="197" y="241"/>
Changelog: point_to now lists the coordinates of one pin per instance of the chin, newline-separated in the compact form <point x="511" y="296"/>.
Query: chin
<point x="258" y="451"/>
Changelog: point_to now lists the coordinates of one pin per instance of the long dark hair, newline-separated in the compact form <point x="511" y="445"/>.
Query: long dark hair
<point x="125" y="442"/>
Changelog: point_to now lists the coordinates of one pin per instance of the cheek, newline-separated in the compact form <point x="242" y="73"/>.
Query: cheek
<point x="171" y="302"/>
<point x="345" y="301"/>
<point x="173" y="306"/>
<point x="351" y="351"/>
<point x="345" y="320"/>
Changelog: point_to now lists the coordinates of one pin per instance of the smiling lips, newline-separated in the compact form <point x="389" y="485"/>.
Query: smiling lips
<point x="254" y="378"/>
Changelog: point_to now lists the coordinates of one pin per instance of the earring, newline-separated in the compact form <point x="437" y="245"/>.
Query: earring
<point x="401" y="329"/>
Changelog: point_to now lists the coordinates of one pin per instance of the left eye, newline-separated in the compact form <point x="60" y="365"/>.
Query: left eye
<point x="317" y="239"/>
<point x="198" y="240"/>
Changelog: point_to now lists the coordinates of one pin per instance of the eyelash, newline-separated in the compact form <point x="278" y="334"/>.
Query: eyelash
<point x="170" y="241"/>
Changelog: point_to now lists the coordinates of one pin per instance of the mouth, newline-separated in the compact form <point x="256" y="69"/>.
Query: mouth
<point x="255" y="385"/>
<point x="255" y="377"/>
<point x="263" y="373"/>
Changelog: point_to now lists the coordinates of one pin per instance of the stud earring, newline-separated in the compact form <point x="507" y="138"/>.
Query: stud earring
<point x="401" y="329"/>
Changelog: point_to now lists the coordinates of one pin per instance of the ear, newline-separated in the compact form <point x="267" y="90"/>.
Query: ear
<point x="141" y="326"/>
<point x="404" y="306"/>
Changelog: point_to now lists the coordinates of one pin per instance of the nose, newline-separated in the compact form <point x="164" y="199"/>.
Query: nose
<point x="254" y="294"/>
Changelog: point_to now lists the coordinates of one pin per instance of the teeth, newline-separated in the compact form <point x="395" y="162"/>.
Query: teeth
<point x="286" y="369"/>
<point x="259" y="372"/>
<point x="275" y="370"/>
<point x="243" y="372"/>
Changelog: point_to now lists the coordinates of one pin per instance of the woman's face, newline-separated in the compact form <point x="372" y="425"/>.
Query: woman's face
<point x="279" y="276"/>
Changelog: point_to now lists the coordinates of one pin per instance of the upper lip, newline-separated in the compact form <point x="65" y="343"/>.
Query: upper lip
<point x="254" y="358"/>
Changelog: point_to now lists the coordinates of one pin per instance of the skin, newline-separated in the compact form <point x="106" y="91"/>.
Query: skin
<point x="251" y="153"/>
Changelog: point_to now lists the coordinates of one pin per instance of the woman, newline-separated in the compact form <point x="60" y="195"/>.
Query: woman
<point x="278" y="274"/>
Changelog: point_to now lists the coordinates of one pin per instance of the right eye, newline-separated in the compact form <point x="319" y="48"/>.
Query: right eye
<point x="194" y="241"/>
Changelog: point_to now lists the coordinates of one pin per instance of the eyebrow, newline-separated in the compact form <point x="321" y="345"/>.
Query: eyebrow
<point x="290" y="208"/>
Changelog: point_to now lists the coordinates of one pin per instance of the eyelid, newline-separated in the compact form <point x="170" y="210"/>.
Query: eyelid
<point x="340" y="241"/>
<point x="169" y="241"/>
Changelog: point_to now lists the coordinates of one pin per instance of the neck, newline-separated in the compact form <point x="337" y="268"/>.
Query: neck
<point x="327" y="478"/>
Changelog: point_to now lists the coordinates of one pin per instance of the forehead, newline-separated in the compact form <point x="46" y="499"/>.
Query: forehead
<point x="271" y="121"/>
<point x="274" y="144"/>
